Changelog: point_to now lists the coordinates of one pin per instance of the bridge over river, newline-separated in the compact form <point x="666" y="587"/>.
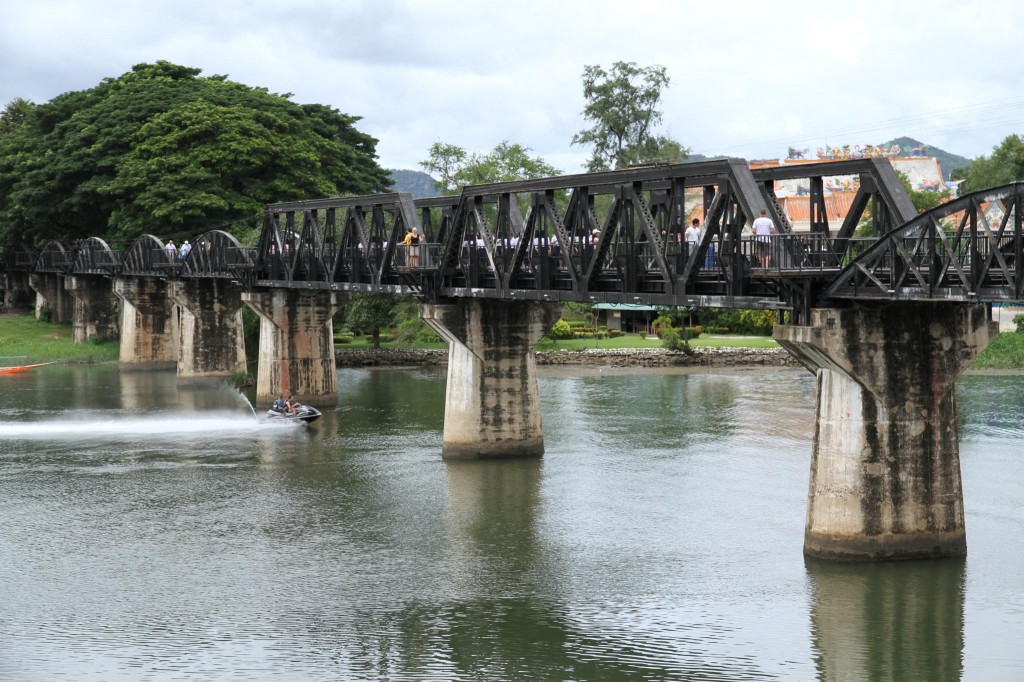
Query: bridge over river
<point x="887" y="321"/>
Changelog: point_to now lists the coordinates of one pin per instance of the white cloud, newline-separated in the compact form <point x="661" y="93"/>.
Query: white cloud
<point x="748" y="78"/>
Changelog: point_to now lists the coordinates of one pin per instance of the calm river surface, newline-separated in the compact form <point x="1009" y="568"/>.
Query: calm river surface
<point x="156" y="532"/>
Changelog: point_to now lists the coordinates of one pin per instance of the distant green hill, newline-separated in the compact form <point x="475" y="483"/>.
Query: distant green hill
<point x="416" y="183"/>
<point x="949" y="161"/>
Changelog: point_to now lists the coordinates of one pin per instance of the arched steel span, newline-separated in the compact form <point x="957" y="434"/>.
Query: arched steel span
<point x="219" y="255"/>
<point x="968" y="249"/>
<point x="95" y="257"/>
<point x="19" y="258"/>
<point x="53" y="257"/>
<point x="147" y="257"/>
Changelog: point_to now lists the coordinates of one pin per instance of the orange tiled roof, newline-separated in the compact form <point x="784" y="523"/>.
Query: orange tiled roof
<point x="837" y="205"/>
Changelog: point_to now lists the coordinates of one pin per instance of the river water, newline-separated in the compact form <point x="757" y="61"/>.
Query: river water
<point x="150" y="531"/>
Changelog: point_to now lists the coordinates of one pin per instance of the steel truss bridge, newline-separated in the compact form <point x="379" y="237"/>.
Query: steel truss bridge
<point x="615" y="236"/>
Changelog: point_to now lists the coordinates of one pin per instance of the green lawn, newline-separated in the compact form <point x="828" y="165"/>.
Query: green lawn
<point x="25" y="340"/>
<point x="1006" y="352"/>
<point x="624" y="341"/>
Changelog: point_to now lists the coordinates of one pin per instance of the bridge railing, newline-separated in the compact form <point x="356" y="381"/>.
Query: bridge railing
<point x="804" y="253"/>
<point x="414" y="257"/>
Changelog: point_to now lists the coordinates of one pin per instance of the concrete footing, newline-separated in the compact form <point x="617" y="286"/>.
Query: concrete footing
<point x="885" y="471"/>
<point x="149" y="324"/>
<point x="211" y="342"/>
<point x="51" y="295"/>
<point x="296" y="345"/>
<point x="96" y="310"/>
<point x="492" y="404"/>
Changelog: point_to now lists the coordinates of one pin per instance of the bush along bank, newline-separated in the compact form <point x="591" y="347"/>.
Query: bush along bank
<point x="612" y="357"/>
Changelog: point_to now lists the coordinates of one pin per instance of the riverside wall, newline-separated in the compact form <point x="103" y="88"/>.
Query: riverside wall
<point x="612" y="357"/>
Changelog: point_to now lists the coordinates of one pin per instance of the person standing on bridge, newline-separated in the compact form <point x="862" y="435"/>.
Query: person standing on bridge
<point x="412" y="244"/>
<point x="172" y="251"/>
<point x="692" y="235"/>
<point x="764" y="228"/>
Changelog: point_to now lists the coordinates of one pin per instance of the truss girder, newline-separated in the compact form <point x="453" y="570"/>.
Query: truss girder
<point x="968" y="249"/>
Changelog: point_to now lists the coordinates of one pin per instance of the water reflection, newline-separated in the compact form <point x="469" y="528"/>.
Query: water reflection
<point x="658" y="538"/>
<point x="901" y="621"/>
<point x="491" y="516"/>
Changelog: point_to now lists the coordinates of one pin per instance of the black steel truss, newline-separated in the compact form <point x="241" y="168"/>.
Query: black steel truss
<point x="965" y="250"/>
<point x="616" y="236"/>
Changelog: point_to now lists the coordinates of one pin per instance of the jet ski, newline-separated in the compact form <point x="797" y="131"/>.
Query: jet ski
<point x="303" y="413"/>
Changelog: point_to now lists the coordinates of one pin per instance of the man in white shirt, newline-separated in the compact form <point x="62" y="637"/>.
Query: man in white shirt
<point x="764" y="228"/>
<point x="692" y="237"/>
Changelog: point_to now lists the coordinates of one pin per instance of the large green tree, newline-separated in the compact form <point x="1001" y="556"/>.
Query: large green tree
<point x="456" y="168"/>
<point x="622" y="106"/>
<point x="1004" y="165"/>
<point x="371" y="313"/>
<point x="163" y="150"/>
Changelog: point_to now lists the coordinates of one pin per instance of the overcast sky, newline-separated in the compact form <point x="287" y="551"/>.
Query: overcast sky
<point x="748" y="79"/>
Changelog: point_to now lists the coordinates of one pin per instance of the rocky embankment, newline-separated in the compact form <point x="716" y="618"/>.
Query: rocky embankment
<point x="612" y="357"/>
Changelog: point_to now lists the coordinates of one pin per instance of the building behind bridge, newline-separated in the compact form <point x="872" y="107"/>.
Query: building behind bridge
<point x="923" y="172"/>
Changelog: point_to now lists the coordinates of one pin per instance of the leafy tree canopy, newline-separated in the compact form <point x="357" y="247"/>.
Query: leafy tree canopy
<point x="163" y="150"/>
<point x="622" y="105"/>
<point x="370" y="313"/>
<point x="1004" y="165"/>
<point x="506" y="162"/>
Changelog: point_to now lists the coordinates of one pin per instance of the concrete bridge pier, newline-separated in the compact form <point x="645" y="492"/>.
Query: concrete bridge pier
<point x="885" y="468"/>
<point x="50" y="294"/>
<point x="149" y="324"/>
<point x="211" y="342"/>
<point x="96" y="312"/>
<point x="492" y="404"/>
<point x="296" y="345"/>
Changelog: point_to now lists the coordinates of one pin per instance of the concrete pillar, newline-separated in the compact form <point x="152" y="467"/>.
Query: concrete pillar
<point x="492" y="405"/>
<point x="211" y="342"/>
<point x="16" y="289"/>
<point x="885" y="469"/>
<point x="296" y="345"/>
<point x="96" y="313"/>
<point x="149" y="324"/>
<point x="50" y="294"/>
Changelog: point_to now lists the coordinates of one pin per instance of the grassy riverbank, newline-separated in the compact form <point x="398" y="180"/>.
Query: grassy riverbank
<point x="623" y="341"/>
<point x="26" y="340"/>
<point x="1006" y="352"/>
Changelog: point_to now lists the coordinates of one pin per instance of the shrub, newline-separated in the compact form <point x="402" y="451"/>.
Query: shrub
<point x="343" y="339"/>
<point x="661" y="323"/>
<point x="614" y="332"/>
<point x="427" y="335"/>
<point x="692" y="332"/>
<point x="386" y="338"/>
<point x="1018" y="320"/>
<point x="561" y="330"/>
<point x="671" y="339"/>
<point x="577" y="324"/>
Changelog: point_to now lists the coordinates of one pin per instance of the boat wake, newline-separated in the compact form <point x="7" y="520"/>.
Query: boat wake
<point x="227" y="424"/>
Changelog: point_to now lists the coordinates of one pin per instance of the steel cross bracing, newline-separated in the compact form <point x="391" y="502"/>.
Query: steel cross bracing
<point x="607" y="237"/>
<point x="968" y="250"/>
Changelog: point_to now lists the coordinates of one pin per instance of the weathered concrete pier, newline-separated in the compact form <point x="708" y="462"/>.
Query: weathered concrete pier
<point x="492" y="404"/>
<point x="211" y="342"/>
<point x="885" y="466"/>
<point x="96" y="311"/>
<point x="149" y="324"/>
<point x="296" y="353"/>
